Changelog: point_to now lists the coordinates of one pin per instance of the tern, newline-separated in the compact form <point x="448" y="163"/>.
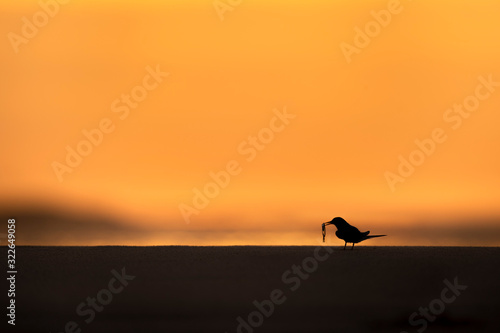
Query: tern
<point x="347" y="232"/>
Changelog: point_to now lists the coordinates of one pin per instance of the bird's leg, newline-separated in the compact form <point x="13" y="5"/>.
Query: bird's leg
<point x="352" y="248"/>
<point x="345" y="245"/>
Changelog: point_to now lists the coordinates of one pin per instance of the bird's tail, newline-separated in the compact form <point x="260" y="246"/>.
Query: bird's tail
<point x="373" y="236"/>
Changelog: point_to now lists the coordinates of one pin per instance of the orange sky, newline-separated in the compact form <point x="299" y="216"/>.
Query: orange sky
<point x="351" y="114"/>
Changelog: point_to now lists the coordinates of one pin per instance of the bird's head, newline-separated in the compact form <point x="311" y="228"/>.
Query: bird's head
<point x="337" y="221"/>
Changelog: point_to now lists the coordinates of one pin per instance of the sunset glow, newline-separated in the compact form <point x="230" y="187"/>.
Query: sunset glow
<point x="254" y="124"/>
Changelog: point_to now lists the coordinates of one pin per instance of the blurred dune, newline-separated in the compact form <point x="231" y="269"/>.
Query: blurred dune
<point x="50" y="224"/>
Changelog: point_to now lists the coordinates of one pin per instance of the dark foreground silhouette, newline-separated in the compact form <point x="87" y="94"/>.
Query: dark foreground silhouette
<point x="280" y="289"/>
<point x="347" y="232"/>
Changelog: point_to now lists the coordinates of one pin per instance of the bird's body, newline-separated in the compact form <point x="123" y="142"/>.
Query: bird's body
<point x="347" y="232"/>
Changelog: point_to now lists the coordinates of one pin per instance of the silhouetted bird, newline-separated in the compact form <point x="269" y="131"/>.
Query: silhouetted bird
<point x="347" y="232"/>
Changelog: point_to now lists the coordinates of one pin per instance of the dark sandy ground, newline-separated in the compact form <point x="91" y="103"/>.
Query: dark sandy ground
<point x="205" y="289"/>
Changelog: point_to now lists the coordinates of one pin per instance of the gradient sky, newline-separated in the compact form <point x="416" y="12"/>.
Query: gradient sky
<point x="354" y="116"/>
